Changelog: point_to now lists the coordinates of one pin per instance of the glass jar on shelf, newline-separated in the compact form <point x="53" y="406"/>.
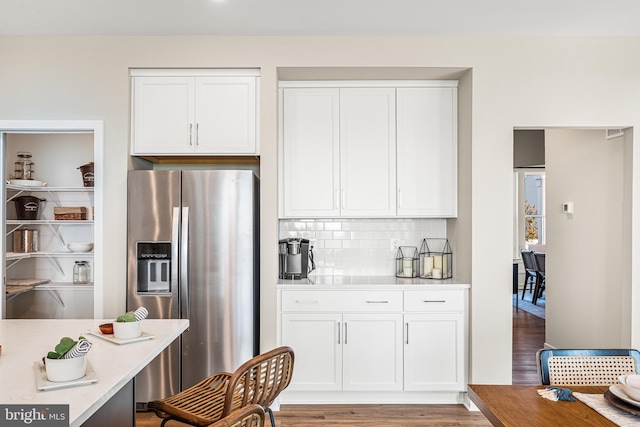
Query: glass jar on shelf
<point x="81" y="274"/>
<point x="24" y="168"/>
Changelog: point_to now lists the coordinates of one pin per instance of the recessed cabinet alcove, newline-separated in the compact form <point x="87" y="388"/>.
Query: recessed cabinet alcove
<point x="38" y="280"/>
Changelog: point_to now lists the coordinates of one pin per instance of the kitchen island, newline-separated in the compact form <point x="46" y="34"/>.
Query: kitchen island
<point x="27" y="341"/>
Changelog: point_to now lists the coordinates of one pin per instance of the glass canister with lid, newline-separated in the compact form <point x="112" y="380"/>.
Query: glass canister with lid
<point x="24" y="168"/>
<point x="81" y="274"/>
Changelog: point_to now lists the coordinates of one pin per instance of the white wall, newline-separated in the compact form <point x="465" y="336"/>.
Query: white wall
<point x="586" y="291"/>
<point x="515" y="82"/>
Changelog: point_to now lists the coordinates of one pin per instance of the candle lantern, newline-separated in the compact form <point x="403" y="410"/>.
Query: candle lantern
<point x="407" y="262"/>
<point x="435" y="259"/>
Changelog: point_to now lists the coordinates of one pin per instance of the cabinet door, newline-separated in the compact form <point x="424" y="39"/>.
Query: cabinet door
<point x="367" y="152"/>
<point x="372" y="353"/>
<point x="427" y="152"/>
<point x="311" y="152"/>
<point x="316" y="340"/>
<point x="163" y="115"/>
<point x="434" y="352"/>
<point x="225" y="115"/>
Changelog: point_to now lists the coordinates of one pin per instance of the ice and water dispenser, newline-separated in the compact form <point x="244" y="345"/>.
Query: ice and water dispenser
<point x="154" y="267"/>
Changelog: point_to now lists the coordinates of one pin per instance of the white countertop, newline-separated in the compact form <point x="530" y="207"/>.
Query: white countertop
<point x="26" y="341"/>
<point x="355" y="282"/>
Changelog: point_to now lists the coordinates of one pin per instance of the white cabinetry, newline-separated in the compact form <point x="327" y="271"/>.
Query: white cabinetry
<point x="434" y="347"/>
<point x="339" y="152"/>
<point x="427" y="151"/>
<point x="311" y="167"/>
<point x="374" y="345"/>
<point x="382" y="151"/>
<point x="344" y="340"/>
<point x="194" y="112"/>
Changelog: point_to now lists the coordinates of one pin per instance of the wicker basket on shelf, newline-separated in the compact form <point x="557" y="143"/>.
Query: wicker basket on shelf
<point x="69" y="213"/>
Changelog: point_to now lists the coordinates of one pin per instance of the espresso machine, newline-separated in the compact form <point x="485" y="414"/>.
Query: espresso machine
<point x="295" y="259"/>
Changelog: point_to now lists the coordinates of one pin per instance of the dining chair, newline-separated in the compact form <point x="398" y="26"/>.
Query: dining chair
<point x="249" y="416"/>
<point x="565" y="367"/>
<point x="541" y="275"/>
<point x="530" y="275"/>
<point x="258" y="381"/>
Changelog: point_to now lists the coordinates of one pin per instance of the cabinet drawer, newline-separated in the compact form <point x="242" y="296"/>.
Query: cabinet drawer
<point x="341" y="301"/>
<point x="434" y="301"/>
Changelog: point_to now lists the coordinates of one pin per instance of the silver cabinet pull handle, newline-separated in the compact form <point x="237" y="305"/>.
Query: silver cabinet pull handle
<point x="407" y="327"/>
<point x="434" y="300"/>
<point x="197" y="134"/>
<point x="345" y="332"/>
<point x="190" y="133"/>
<point x="338" y="332"/>
<point x="307" y="301"/>
<point x="377" y="302"/>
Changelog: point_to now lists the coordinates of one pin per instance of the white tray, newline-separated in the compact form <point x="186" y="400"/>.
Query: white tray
<point x="42" y="383"/>
<point x="109" y="337"/>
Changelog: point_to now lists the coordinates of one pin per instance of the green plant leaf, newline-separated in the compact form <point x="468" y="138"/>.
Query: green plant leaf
<point x="53" y="355"/>
<point x="65" y="345"/>
<point x="127" y="317"/>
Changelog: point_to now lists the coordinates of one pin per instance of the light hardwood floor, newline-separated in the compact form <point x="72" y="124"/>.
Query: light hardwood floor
<point x="528" y="337"/>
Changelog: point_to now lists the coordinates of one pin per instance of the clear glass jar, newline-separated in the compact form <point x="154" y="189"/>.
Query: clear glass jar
<point x="24" y="168"/>
<point x="81" y="274"/>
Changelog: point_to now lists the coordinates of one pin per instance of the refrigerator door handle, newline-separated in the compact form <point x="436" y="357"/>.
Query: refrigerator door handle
<point x="184" y="264"/>
<point x="175" y="238"/>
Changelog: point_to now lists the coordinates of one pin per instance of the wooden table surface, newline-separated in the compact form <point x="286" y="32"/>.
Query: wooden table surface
<point x="521" y="405"/>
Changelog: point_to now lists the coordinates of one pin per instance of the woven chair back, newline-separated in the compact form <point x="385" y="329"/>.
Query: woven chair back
<point x="260" y="380"/>
<point x="562" y="367"/>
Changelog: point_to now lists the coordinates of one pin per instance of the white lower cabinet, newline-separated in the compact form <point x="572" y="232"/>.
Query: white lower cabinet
<point x="318" y="350"/>
<point x="375" y="345"/>
<point x="434" y="352"/>
<point x="372" y="356"/>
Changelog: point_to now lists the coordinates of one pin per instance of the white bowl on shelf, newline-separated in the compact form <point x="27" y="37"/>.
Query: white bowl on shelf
<point x="80" y="247"/>
<point x="27" y="182"/>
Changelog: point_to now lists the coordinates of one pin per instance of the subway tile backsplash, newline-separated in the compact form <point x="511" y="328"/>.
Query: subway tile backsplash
<point x="358" y="247"/>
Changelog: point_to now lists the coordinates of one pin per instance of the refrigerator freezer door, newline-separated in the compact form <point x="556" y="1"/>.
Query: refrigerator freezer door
<point x="153" y="216"/>
<point x="222" y="273"/>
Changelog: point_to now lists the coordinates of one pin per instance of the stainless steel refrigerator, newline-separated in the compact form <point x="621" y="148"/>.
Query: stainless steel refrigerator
<point x="193" y="252"/>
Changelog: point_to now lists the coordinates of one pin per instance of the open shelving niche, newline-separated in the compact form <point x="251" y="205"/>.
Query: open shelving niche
<point x="13" y="225"/>
<point x="96" y="129"/>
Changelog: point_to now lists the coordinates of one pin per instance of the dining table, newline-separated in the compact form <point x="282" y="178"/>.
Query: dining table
<point x="522" y="405"/>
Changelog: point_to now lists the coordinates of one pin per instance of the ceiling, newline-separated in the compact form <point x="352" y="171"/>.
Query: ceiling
<point x="320" y="17"/>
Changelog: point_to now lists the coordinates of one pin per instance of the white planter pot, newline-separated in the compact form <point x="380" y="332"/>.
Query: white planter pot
<point x="126" y="330"/>
<point x="59" y="370"/>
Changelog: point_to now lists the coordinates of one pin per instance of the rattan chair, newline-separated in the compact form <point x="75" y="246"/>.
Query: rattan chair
<point x="258" y="381"/>
<point x="563" y="367"/>
<point x="249" y="416"/>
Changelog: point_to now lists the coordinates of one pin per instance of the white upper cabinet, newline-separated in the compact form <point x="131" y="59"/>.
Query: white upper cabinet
<point x="427" y="151"/>
<point x="367" y="152"/>
<point x="194" y="112"/>
<point x="368" y="149"/>
<point x="311" y="166"/>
